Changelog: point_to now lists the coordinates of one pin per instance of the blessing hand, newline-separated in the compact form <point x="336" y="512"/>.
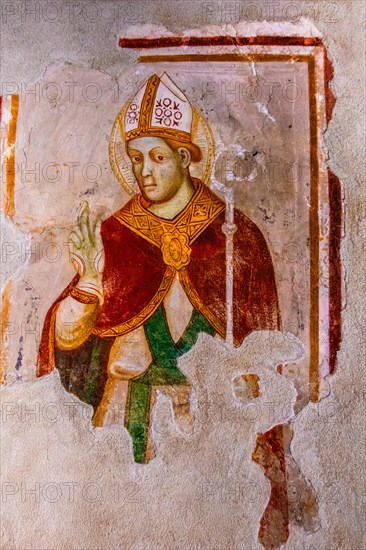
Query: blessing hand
<point x="86" y="247"/>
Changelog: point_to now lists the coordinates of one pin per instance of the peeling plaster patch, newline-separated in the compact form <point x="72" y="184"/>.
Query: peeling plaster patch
<point x="147" y="29"/>
<point x="208" y="467"/>
<point x="304" y="27"/>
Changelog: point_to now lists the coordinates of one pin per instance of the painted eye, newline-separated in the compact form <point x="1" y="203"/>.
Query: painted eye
<point x="136" y="160"/>
<point x="160" y="157"/>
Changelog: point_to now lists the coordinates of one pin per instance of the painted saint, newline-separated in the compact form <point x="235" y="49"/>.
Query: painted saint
<point x="152" y="276"/>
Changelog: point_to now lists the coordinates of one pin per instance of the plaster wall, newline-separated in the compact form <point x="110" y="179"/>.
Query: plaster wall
<point x="328" y="444"/>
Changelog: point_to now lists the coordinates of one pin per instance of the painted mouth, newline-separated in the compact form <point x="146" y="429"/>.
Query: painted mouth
<point x="149" y="185"/>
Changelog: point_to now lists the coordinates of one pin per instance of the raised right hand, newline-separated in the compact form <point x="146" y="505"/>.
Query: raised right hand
<point x="86" y="247"/>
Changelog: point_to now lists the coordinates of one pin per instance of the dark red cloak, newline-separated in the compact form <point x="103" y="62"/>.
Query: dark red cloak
<point x="136" y="279"/>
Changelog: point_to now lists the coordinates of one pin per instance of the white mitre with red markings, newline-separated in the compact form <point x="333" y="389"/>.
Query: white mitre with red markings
<point x="162" y="110"/>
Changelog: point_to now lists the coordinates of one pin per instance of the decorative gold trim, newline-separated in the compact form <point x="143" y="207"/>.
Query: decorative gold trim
<point x="202" y="209"/>
<point x="198" y="304"/>
<point x="175" y="249"/>
<point x="10" y="166"/>
<point x="146" y="313"/>
<point x="52" y="339"/>
<point x="148" y="101"/>
<point x="157" y="131"/>
<point x="84" y="297"/>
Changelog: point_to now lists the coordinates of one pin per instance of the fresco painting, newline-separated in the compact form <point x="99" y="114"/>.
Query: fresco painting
<point x="213" y="214"/>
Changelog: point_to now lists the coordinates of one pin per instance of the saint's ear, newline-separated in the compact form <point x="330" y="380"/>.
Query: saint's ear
<point x="185" y="156"/>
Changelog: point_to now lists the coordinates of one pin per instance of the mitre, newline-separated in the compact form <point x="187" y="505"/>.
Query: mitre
<point x="162" y="110"/>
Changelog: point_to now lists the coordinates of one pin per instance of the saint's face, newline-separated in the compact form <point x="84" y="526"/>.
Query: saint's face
<point x="157" y="168"/>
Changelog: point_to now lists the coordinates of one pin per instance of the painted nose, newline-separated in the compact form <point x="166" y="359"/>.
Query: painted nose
<point x="146" y="168"/>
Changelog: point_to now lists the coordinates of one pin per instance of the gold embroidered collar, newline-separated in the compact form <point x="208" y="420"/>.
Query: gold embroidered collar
<point x="174" y="237"/>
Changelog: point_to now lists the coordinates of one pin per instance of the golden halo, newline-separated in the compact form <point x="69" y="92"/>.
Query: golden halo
<point x="121" y="164"/>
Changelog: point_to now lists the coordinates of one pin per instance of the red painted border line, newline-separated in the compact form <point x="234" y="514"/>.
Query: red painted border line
<point x="171" y="41"/>
<point x="264" y="40"/>
<point x="328" y="76"/>
<point x="335" y="269"/>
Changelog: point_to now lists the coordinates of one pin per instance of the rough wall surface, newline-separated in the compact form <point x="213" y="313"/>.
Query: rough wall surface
<point x="328" y="442"/>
